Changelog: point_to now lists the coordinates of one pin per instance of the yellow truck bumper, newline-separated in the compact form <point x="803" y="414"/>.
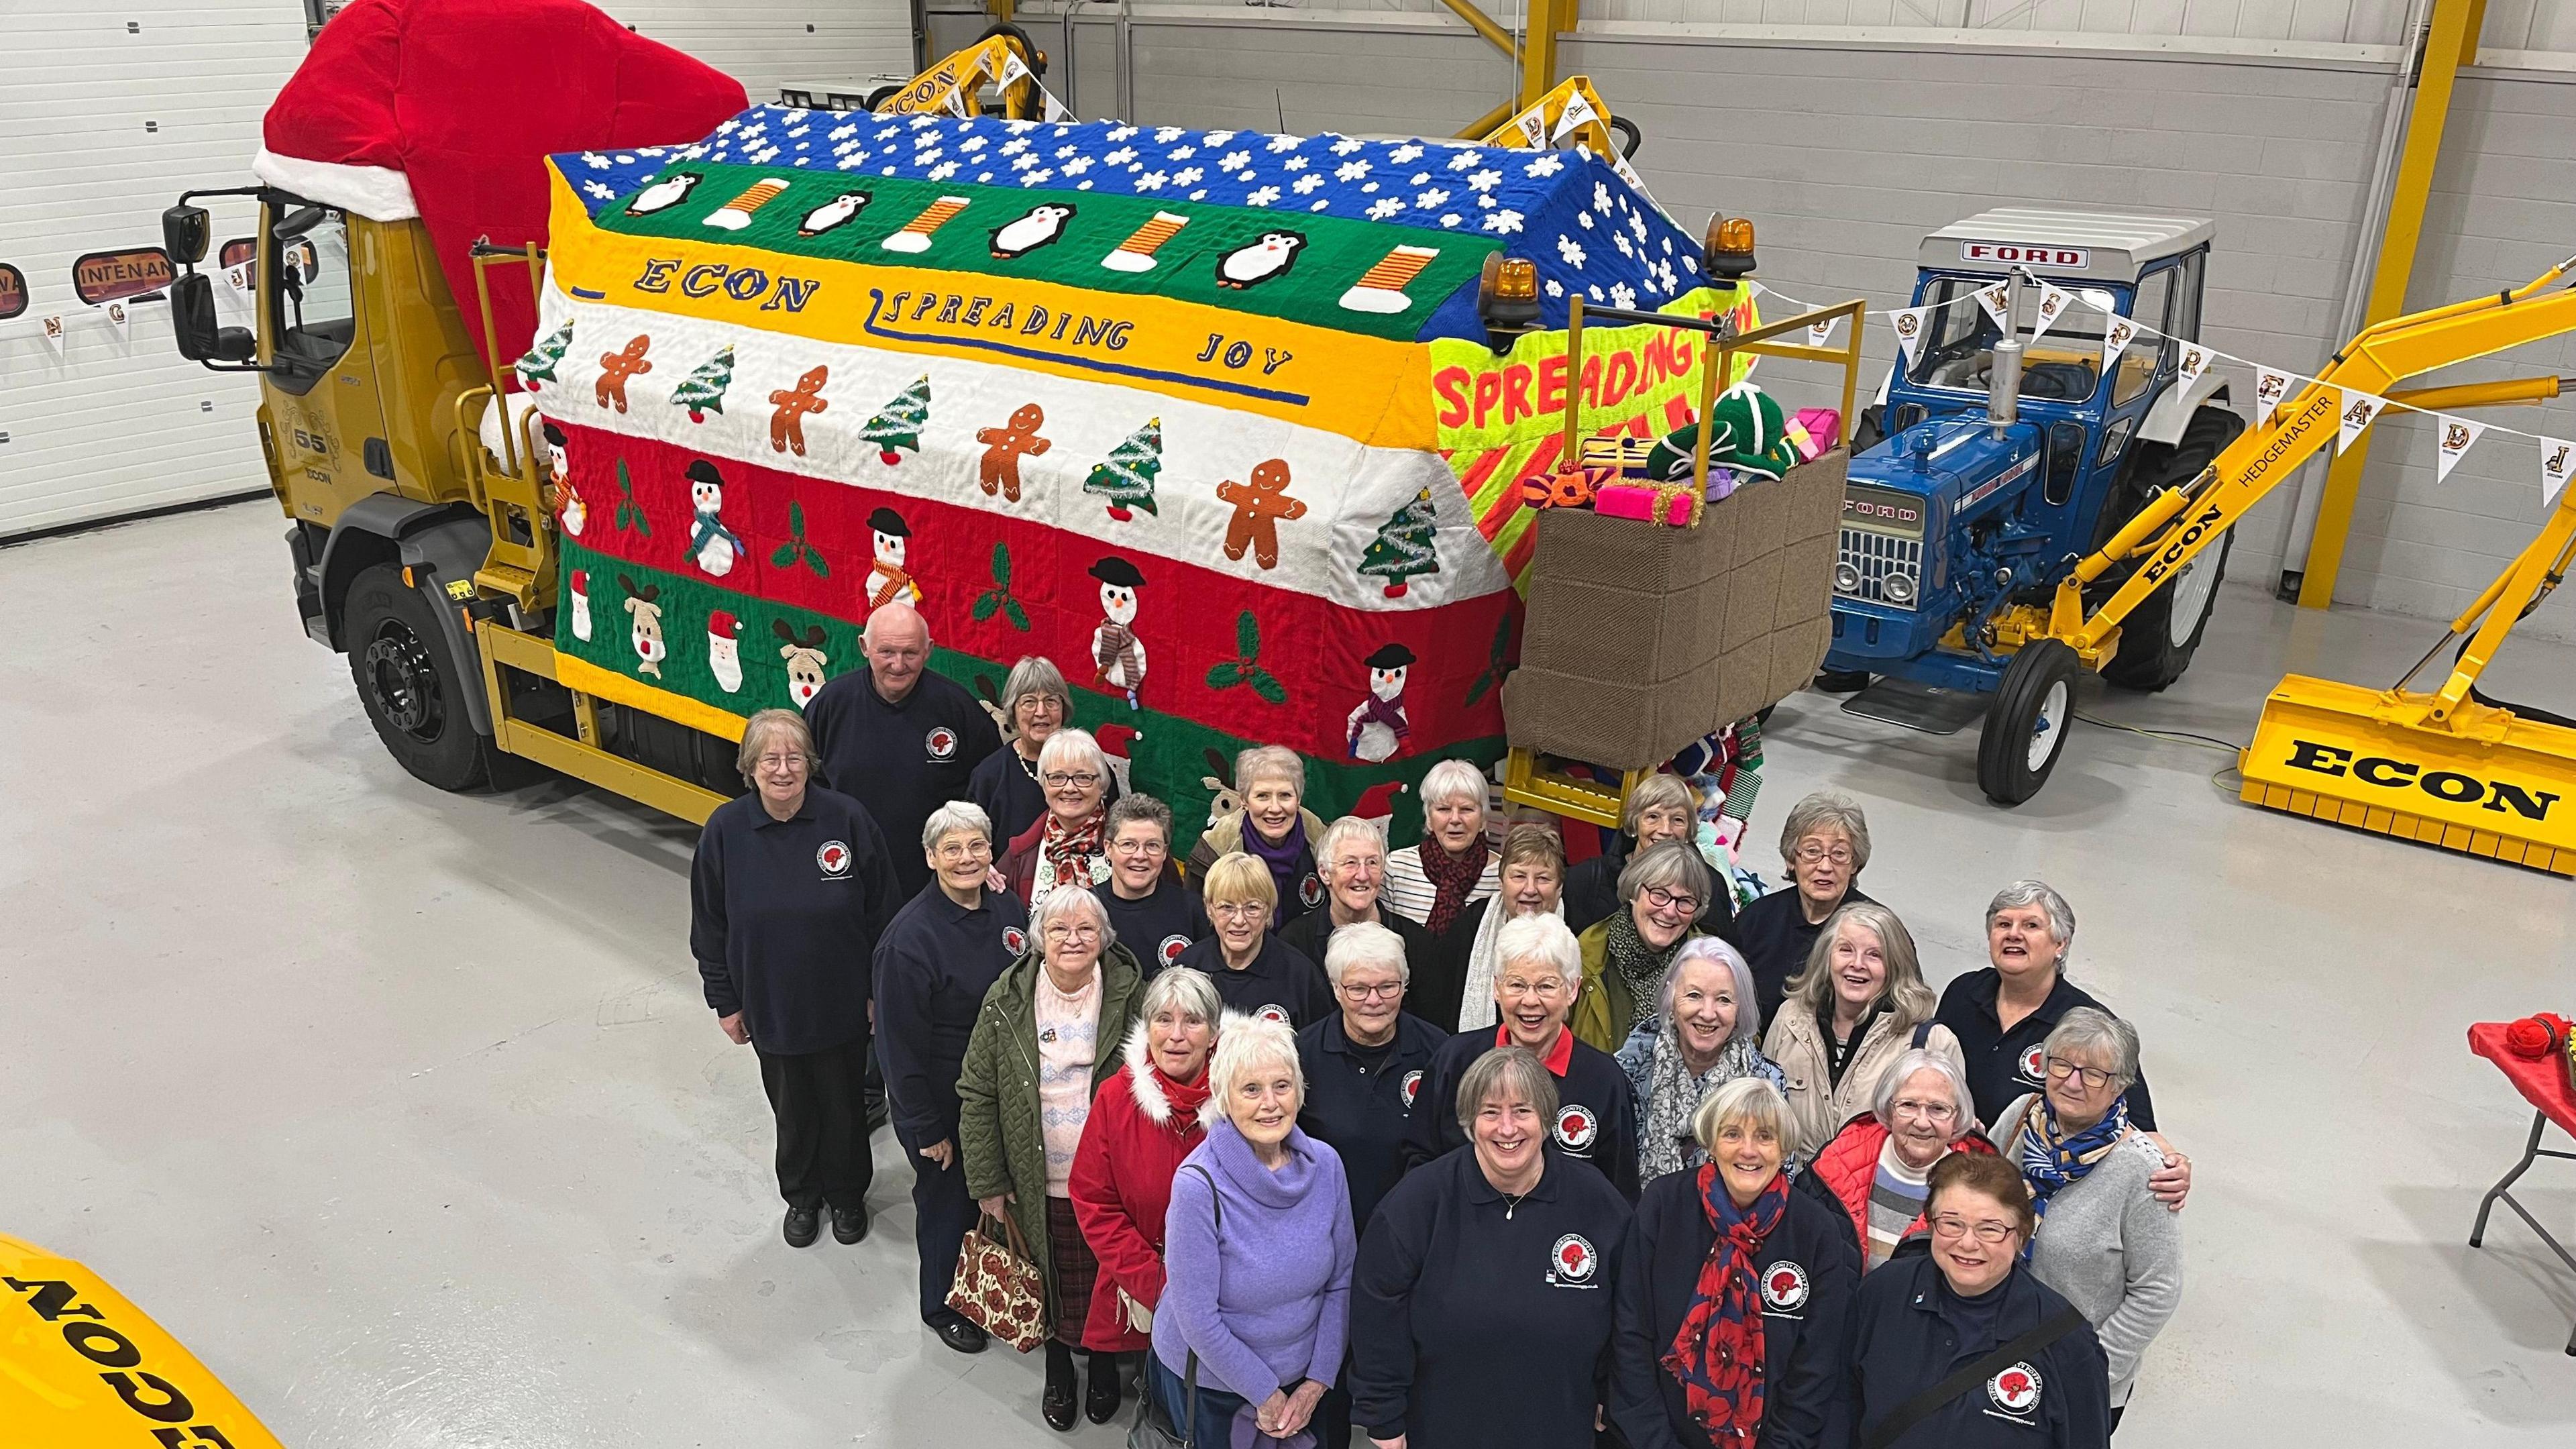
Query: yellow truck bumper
<point x="82" y="1366"/>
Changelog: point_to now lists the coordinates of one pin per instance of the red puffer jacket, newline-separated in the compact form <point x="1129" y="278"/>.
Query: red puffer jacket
<point x="1843" y="1170"/>
<point x="1141" y="1126"/>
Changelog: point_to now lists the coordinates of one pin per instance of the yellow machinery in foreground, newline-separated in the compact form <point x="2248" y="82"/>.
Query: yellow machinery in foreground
<point x="2443" y="767"/>
<point x="80" y="1366"/>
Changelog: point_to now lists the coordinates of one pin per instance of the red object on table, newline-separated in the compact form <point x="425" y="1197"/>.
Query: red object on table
<point x="2542" y="1081"/>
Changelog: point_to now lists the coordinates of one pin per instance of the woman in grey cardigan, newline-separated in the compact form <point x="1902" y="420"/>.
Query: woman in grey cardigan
<point x="2103" y="1241"/>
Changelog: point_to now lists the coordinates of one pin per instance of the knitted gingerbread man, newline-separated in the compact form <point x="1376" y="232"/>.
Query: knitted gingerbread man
<point x="1003" y="448"/>
<point x="787" y="425"/>
<point x="616" y="367"/>
<point x="1257" y="511"/>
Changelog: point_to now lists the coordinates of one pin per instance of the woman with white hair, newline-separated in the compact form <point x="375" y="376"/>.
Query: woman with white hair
<point x="1068" y="845"/>
<point x="1144" y="1122"/>
<point x="1662" y="807"/>
<point x="938" y="957"/>
<point x="1857" y="1007"/>
<point x="1274" y="827"/>
<point x="1878" y="1169"/>
<point x="1036" y="703"/>
<point x="2002" y="1013"/>
<point x="1365" y="1063"/>
<point x="1734" y="1294"/>
<point x="1352" y="856"/>
<point x="1453" y="866"/>
<point x="1824" y="844"/>
<point x="1258" y="1247"/>
<point x="1032" y="1068"/>
<point x="1702" y="1034"/>
<point x="1534" y="988"/>
<point x="1460" y="993"/>
<point x="1481" y="1310"/>
<point x="2103" y="1240"/>
<point x="1624" y="957"/>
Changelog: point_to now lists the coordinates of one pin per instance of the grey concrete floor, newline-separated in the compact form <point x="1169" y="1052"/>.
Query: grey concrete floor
<point x="402" y="1109"/>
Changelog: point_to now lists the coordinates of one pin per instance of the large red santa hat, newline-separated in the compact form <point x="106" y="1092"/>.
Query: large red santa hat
<point x="446" y="110"/>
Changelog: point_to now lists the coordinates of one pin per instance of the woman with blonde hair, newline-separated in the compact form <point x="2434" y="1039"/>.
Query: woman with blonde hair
<point x="1860" y="1004"/>
<point x="1257" y="973"/>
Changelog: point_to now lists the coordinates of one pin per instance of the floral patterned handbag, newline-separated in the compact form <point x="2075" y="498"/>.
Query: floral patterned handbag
<point x="999" y="1287"/>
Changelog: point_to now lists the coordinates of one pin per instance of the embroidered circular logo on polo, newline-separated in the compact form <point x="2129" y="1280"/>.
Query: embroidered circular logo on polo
<point x="1572" y="1259"/>
<point x="2015" y="1390"/>
<point x="1311" y="891"/>
<point x="941" y="742"/>
<point x="834" y="858"/>
<point x="1576" y="1126"/>
<point x="1784" y="1287"/>
<point x="1014" y="940"/>
<point x="1172" y="947"/>
<point x="1273" y="1011"/>
<point x="1410" y="1088"/>
<point x="2034" y="1064"/>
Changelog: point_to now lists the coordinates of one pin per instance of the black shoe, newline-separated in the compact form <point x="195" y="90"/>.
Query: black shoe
<point x="956" y="1331"/>
<point x="849" y="1225"/>
<point x="803" y="1224"/>
<point x="1057" y="1404"/>
<point x="1100" y="1398"/>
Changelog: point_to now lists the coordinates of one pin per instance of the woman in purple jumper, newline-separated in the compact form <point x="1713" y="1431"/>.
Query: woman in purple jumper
<point x="1251" y="1309"/>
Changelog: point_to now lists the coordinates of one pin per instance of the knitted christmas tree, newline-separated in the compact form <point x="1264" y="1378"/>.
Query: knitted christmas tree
<point x="899" y="423"/>
<point x="702" y="392"/>
<point x="1127" y="479"/>
<point x="1402" y="547"/>
<point x="539" y="365"/>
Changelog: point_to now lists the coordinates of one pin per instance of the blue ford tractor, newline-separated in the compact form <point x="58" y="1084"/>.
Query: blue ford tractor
<point x="2006" y="450"/>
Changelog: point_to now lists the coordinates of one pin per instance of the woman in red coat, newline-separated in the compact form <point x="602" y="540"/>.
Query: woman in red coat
<point x="1878" y="1168"/>
<point x="1143" y="1122"/>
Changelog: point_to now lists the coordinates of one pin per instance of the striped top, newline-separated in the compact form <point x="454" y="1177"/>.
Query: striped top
<point x="1897" y="1194"/>
<point x="1409" y="893"/>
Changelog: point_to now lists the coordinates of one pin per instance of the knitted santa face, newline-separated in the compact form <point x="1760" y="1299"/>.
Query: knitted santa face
<point x="1118" y="603"/>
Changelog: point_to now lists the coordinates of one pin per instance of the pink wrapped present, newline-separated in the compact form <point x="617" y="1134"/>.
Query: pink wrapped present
<point x="1668" y="505"/>
<point x="1815" y="431"/>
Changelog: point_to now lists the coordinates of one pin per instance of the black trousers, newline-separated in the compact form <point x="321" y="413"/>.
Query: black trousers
<point x="822" y="1125"/>
<point x="942" y="1215"/>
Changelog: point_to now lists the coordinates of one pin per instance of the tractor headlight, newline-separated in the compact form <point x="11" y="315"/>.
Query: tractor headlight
<point x="1846" y="579"/>
<point x="1899" y="587"/>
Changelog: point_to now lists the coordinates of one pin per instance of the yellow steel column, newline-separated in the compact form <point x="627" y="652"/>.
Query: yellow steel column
<point x="2451" y="43"/>
<point x="1538" y="46"/>
<point x="1001" y="10"/>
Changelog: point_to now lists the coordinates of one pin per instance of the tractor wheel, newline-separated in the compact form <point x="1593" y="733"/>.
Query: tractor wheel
<point x="2159" y="637"/>
<point x="413" y="689"/>
<point x="880" y="96"/>
<point x="2025" y="729"/>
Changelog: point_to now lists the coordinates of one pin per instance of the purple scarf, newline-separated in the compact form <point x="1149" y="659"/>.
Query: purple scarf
<point x="1373" y="710"/>
<point x="1283" y="859"/>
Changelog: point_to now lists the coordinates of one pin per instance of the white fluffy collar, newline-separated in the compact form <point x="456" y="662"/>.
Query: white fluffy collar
<point x="1147" y="1088"/>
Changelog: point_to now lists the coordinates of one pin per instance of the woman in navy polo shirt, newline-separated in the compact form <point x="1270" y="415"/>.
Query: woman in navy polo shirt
<point x="1733" y="1295"/>
<point x="1257" y="973"/>
<point x="1482" y="1306"/>
<point x="1157" y="914"/>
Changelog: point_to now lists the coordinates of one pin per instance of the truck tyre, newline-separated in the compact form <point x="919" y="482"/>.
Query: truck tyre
<point x="2025" y="729"/>
<point x="412" y="688"/>
<point x="2159" y="637"/>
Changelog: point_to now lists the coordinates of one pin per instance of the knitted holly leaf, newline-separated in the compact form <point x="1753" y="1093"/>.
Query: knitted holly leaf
<point x="1265" y="686"/>
<point x="997" y="599"/>
<point x="1247" y="636"/>
<point x="1225" y="676"/>
<point x="630" y="514"/>
<point x="1245" y="670"/>
<point x="1495" y="668"/>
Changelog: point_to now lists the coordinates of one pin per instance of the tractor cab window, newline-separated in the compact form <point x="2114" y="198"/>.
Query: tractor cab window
<point x="2148" y="355"/>
<point x="311" y="313"/>
<point x="2063" y="365"/>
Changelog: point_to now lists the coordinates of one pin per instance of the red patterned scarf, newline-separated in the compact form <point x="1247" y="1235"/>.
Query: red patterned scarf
<point x="1070" y="850"/>
<point x="1452" y="877"/>
<point x="1718" y="1355"/>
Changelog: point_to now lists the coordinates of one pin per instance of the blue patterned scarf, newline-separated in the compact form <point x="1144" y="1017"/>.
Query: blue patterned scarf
<point x="2052" y="1161"/>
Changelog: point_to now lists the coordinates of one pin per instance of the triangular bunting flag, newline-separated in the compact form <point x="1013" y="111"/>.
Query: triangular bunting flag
<point x="1577" y="111"/>
<point x="2054" y="301"/>
<point x="1822" y="333"/>
<point x="2195" y="361"/>
<point x="1997" y="300"/>
<point x="1056" y="110"/>
<point x="1533" y="128"/>
<point x="2458" y="436"/>
<point x="2116" y="338"/>
<point x="117" y="318"/>
<point x="1884" y="385"/>
<point x="2557" y="460"/>
<point x="956" y="102"/>
<point x="53" y="327"/>
<point x="1908" y="322"/>
<point x="1012" y="70"/>
<point x="2359" y="408"/>
<point x="2272" y="388"/>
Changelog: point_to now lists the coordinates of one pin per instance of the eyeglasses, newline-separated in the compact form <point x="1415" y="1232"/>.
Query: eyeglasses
<point x="1237" y="910"/>
<point x="1928" y="1111"/>
<point x="1073" y="933"/>
<point x="1664" y="900"/>
<point x="1988" y="1231"/>
<point x="1039" y="704"/>
<point x="779" y="762"/>
<point x="1069" y="779"/>
<point x="1813" y="854"/>
<point x="1513" y="986"/>
<point x="1354" y="862"/>
<point x="1386" y="992"/>
<point x="2094" y="1079"/>
<point x="964" y="849"/>
<point x="1137" y="847"/>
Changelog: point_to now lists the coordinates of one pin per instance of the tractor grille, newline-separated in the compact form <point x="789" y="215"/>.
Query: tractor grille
<point x="1875" y="556"/>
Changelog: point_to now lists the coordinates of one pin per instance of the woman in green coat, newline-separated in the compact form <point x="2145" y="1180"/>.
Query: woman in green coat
<point x="1661" y="893"/>
<point x="1047" y="1037"/>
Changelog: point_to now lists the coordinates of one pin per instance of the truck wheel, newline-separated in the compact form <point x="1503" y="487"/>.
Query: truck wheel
<point x="412" y="689"/>
<point x="2159" y="637"/>
<point x="2025" y="729"/>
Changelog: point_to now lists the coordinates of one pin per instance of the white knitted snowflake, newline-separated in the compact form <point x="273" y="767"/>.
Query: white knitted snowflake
<point x="1567" y="248"/>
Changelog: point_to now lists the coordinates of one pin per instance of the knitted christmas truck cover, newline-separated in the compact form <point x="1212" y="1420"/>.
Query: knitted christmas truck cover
<point x="1206" y="417"/>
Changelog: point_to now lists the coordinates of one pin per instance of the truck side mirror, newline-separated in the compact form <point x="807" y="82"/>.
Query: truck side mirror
<point x="192" y="317"/>
<point x="184" y="233"/>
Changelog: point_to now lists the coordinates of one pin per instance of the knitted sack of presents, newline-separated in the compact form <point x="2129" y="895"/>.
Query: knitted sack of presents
<point x="1747" y="432"/>
<point x="999" y="1287"/>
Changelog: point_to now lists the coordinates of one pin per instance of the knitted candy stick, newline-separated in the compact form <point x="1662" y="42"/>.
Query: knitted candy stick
<point x="1381" y="288"/>
<point x="734" y="215"/>
<point x="1136" y="253"/>
<point x="915" y="236"/>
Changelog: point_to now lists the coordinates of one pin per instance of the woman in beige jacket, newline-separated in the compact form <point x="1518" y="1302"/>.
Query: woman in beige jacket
<point x="1858" y="1006"/>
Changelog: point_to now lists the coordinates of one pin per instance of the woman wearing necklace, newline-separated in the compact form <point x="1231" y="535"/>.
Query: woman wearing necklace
<point x="1624" y="957"/>
<point x="1068" y="845"/>
<point x="1860" y="1004"/>
<point x="1702" y="1034"/>
<point x="1496" y="1261"/>
<point x="1006" y="783"/>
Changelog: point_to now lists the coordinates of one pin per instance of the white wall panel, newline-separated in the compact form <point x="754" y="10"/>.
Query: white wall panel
<point x="766" y="43"/>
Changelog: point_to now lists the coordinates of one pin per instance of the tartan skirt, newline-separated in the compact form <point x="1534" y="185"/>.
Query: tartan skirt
<point x="1076" y="1271"/>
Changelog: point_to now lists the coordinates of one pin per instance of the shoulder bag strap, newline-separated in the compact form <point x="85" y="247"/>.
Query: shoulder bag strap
<point x="1922" y="1033"/>
<point x="1190" y="1379"/>
<point x="1925" y="1404"/>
